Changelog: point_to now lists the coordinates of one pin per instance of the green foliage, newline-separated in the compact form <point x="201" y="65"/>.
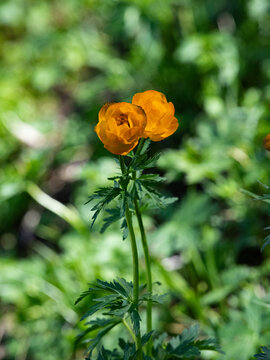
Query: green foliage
<point x="184" y="346"/>
<point x="115" y="300"/>
<point x="264" y="355"/>
<point x="105" y="196"/>
<point x="60" y="61"/>
<point x="132" y="184"/>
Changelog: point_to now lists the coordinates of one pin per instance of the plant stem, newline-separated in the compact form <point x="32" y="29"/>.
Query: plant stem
<point x="129" y="329"/>
<point x="147" y="258"/>
<point x="135" y="263"/>
<point x="148" y="273"/>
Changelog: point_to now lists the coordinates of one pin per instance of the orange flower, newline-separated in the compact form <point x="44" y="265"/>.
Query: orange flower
<point x="120" y="126"/>
<point x="161" y="122"/>
<point x="266" y="142"/>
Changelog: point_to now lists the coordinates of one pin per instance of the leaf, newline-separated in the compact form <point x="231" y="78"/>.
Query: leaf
<point x="113" y="286"/>
<point x="160" y="339"/>
<point x="146" y="145"/>
<point x="155" y="298"/>
<point x="135" y="319"/>
<point x="142" y="161"/>
<point x="128" y="286"/>
<point x="115" y="297"/>
<point x="150" y="162"/>
<point x="209" y="344"/>
<point x="123" y="203"/>
<point x="264" y="355"/>
<point x="94" y="308"/>
<point x="183" y="343"/>
<point x="102" y="354"/>
<point x="106" y="195"/>
<point x="114" y="215"/>
<point x="146" y="337"/>
<point x="128" y="348"/>
<point x="98" y="323"/>
<point x="124" y="226"/>
<point x="266" y="242"/>
<point x="95" y="341"/>
<point x="82" y="296"/>
<point x="120" y="312"/>
<point x="105" y="354"/>
<point x="151" y="178"/>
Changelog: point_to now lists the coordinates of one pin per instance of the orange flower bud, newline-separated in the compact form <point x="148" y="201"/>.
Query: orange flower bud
<point x="161" y="122"/>
<point x="120" y="126"/>
<point x="266" y="142"/>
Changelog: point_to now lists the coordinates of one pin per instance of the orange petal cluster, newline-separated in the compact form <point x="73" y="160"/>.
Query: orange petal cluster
<point x="121" y="125"/>
<point x="161" y="121"/>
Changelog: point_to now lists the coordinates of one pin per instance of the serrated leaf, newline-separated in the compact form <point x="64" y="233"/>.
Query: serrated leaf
<point x="135" y="319"/>
<point x="120" y="312"/>
<point x="128" y="348"/>
<point x="264" y="355"/>
<point x="151" y="178"/>
<point x="160" y="340"/>
<point x="183" y="344"/>
<point x="147" y="337"/>
<point x="105" y="354"/>
<point x="98" y="323"/>
<point x="113" y="286"/>
<point x="155" y="298"/>
<point x="146" y="145"/>
<point x="266" y="242"/>
<point x="209" y="344"/>
<point x="106" y="195"/>
<point x="114" y="215"/>
<point x="94" y="308"/>
<point x="150" y="161"/>
<point x="128" y="286"/>
<point x="95" y="341"/>
<point x="142" y="161"/>
<point x="82" y="296"/>
<point x="124" y="226"/>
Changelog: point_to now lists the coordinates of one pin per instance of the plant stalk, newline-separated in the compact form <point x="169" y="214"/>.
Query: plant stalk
<point x="135" y="263"/>
<point x="147" y="259"/>
<point x="148" y="273"/>
<point x="129" y="329"/>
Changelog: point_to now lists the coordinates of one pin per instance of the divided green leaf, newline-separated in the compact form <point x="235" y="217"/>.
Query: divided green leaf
<point x="105" y="196"/>
<point x="264" y="355"/>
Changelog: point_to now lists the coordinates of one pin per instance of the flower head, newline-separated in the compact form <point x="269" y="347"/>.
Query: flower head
<point x="120" y="126"/>
<point x="161" y="122"/>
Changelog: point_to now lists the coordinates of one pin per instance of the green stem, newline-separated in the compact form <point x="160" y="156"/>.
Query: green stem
<point x="129" y="329"/>
<point x="135" y="263"/>
<point x="148" y="273"/>
<point x="147" y="258"/>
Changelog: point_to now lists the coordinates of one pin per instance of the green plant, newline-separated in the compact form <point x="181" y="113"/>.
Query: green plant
<point x="120" y="301"/>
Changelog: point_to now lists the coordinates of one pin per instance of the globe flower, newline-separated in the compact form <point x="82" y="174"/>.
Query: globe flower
<point x="120" y="126"/>
<point x="161" y="122"/>
<point x="266" y="142"/>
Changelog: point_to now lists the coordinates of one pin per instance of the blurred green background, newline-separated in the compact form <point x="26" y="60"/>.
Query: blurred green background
<point x="59" y="62"/>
